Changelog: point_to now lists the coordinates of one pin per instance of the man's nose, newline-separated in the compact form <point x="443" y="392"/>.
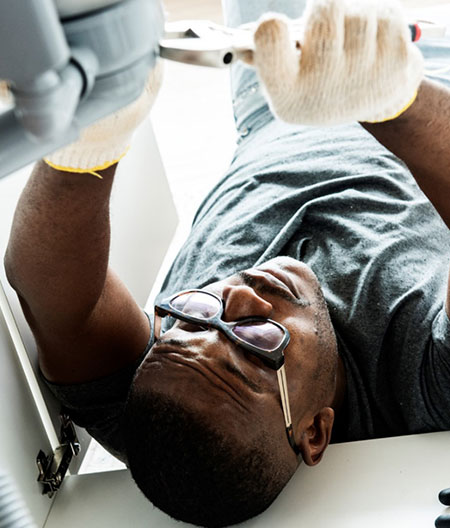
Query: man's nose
<point x="243" y="301"/>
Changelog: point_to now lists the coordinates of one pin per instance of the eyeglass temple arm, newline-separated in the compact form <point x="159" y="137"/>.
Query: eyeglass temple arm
<point x="282" y="382"/>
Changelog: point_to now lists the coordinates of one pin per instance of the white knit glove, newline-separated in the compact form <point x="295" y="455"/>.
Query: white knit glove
<point x="106" y="142"/>
<point x="355" y="62"/>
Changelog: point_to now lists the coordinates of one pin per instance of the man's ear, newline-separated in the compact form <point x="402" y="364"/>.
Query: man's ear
<point x="316" y="437"/>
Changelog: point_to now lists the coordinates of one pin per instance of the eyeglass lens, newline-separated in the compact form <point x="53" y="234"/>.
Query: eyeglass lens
<point x="261" y="334"/>
<point x="197" y="304"/>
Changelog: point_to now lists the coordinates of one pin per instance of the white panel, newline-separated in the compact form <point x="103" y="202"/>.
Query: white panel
<point x="391" y="482"/>
<point x="21" y="431"/>
<point x="143" y="215"/>
<point x="141" y="235"/>
<point x="10" y="189"/>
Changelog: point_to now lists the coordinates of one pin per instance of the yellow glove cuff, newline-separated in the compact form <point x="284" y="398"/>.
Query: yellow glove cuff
<point x="398" y="114"/>
<point x="91" y="170"/>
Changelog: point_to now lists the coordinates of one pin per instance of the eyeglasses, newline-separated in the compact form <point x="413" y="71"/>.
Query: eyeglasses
<point x="264" y="338"/>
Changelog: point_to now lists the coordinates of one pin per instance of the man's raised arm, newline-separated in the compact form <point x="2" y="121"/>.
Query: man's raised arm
<point x="356" y="62"/>
<point x="421" y="138"/>
<point x="85" y="322"/>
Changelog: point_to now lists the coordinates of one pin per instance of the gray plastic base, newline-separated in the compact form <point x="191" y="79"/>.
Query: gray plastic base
<point x="74" y="73"/>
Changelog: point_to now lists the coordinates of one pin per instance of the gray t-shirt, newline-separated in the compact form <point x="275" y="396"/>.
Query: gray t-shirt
<point x="340" y="202"/>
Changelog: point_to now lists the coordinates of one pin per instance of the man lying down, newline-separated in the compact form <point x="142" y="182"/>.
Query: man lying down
<point x="326" y="244"/>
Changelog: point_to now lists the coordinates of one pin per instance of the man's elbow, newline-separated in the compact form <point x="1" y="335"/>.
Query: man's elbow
<point x="16" y="273"/>
<point x="10" y="269"/>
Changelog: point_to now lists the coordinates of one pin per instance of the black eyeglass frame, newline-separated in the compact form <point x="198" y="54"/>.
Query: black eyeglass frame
<point x="274" y="359"/>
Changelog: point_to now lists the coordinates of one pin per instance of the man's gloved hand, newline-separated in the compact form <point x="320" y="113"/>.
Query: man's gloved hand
<point x="355" y="62"/>
<point x="107" y="141"/>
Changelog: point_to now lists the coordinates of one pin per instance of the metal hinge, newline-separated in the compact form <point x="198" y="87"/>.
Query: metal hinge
<point x="53" y="468"/>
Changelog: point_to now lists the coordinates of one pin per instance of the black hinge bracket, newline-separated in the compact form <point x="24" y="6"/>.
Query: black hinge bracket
<point x="53" y="468"/>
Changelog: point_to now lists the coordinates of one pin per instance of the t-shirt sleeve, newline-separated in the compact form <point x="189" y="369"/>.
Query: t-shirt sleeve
<point x="437" y="370"/>
<point x="98" y="405"/>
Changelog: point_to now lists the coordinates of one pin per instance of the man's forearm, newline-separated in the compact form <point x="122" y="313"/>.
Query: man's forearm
<point x="58" y="251"/>
<point x="421" y="138"/>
